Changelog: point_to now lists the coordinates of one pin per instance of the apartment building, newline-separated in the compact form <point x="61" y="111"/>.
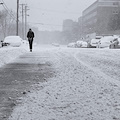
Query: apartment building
<point x="101" y="18"/>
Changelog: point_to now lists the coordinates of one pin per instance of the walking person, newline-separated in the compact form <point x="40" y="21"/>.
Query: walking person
<point x="30" y="36"/>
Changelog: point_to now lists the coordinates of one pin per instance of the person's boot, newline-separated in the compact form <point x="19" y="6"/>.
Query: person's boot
<point x="30" y="50"/>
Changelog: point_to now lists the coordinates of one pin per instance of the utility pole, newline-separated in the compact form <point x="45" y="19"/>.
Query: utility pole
<point x="17" y="17"/>
<point x="23" y="21"/>
<point x="26" y="19"/>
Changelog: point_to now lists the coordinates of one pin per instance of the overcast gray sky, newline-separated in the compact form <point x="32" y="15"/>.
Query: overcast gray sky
<point x="51" y="13"/>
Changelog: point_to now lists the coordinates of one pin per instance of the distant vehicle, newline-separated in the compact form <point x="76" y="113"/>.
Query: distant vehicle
<point x="84" y="44"/>
<point x="105" y="41"/>
<point x="115" y="44"/>
<point x="56" y="44"/>
<point x="72" y="45"/>
<point x="94" y="43"/>
<point x="1" y="43"/>
<point x="79" y="44"/>
<point x="98" y="37"/>
<point x="14" y="41"/>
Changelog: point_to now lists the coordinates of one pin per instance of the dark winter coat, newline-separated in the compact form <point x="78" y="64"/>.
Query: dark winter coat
<point x="30" y="34"/>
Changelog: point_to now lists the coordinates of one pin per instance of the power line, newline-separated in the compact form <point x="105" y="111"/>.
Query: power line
<point x="6" y="8"/>
<point x="49" y="10"/>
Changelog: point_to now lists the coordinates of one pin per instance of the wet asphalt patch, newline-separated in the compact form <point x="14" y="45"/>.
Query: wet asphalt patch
<point x="16" y="79"/>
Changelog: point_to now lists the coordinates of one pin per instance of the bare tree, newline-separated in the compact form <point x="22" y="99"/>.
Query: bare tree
<point x="7" y="23"/>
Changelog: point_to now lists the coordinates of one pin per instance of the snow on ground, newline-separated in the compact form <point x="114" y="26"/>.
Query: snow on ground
<point x="82" y="89"/>
<point x="8" y="54"/>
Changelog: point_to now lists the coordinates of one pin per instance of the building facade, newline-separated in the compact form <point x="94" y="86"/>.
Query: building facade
<point x="70" y="30"/>
<point x="101" y="18"/>
<point x="80" y="21"/>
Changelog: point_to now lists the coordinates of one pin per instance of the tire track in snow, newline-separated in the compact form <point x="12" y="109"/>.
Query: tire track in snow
<point x="97" y="71"/>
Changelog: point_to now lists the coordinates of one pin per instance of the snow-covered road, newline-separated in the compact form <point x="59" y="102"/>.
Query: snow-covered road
<point x="86" y="86"/>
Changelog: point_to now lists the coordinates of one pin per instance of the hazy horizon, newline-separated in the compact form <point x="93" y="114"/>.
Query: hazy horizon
<point x="49" y="15"/>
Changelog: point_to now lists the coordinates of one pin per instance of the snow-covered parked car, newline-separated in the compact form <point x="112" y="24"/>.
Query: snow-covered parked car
<point x="72" y="45"/>
<point x="14" y="41"/>
<point x="79" y="43"/>
<point x="1" y="43"/>
<point x="84" y="44"/>
<point x="94" y="43"/>
<point x="105" y="41"/>
<point x="115" y="44"/>
<point x="25" y="41"/>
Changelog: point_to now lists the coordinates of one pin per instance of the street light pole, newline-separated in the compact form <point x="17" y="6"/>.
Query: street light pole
<point x="17" y="17"/>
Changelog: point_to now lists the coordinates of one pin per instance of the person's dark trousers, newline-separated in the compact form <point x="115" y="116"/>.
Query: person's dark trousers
<point x="30" y="43"/>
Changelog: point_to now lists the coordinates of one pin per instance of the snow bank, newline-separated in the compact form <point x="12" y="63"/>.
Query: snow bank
<point x="7" y="54"/>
